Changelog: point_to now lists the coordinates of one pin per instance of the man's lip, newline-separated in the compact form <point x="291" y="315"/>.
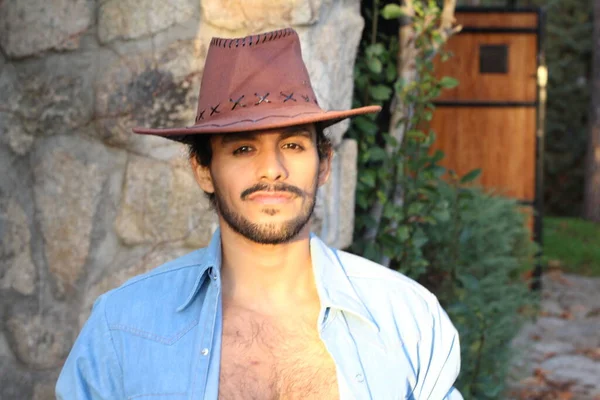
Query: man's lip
<point x="270" y="197"/>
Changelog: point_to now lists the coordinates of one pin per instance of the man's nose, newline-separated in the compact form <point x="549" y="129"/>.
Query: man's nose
<point x="271" y="166"/>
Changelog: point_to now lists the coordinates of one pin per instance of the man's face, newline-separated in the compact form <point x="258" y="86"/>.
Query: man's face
<point x="265" y="184"/>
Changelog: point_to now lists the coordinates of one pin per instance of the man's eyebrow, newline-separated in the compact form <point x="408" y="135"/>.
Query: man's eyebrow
<point x="303" y="132"/>
<point x="237" y="137"/>
<point x="242" y="136"/>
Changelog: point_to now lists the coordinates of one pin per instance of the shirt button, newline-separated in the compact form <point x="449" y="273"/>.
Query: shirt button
<point x="360" y="378"/>
<point x="204" y="352"/>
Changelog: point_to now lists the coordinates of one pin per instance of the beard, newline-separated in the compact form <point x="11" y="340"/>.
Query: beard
<point x="269" y="233"/>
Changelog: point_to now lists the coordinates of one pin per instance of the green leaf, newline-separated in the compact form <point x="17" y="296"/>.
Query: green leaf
<point x="380" y="92"/>
<point x="366" y="125"/>
<point x="376" y="49"/>
<point x="416" y="134"/>
<point x="374" y="65"/>
<point x="469" y="282"/>
<point x="376" y="154"/>
<point x="368" y="179"/>
<point x="391" y="11"/>
<point x="402" y="233"/>
<point x="437" y="157"/>
<point x="471" y="176"/>
<point x="390" y="72"/>
<point x="448" y="82"/>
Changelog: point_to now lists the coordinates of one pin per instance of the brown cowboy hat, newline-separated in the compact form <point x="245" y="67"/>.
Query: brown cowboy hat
<point x="258" y="82"/>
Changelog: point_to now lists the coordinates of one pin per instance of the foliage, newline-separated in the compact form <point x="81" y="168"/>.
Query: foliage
<point x="477" y="260"/>
<point x="573" y="245"/>
<point x="568" y="48"/>
<point x="386" y="165"/>
<point x="470" y="248"/>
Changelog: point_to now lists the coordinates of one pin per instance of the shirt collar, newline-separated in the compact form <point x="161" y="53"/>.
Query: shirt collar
<point x="210" y="263"/>
<point x="333" y="285"/>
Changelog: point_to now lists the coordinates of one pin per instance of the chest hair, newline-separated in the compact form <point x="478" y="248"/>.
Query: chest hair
<point x="274" y="358"/>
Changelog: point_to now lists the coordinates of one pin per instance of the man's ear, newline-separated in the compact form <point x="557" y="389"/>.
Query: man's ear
<point x="202" y="176"/>
<point x="325" y="168"/>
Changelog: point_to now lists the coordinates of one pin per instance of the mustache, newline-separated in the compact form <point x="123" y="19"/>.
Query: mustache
<point x="278" y="187"/>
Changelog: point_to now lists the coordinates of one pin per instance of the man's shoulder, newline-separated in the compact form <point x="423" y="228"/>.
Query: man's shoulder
<point x="381" y="287"/>
<point x="183" y="265"/>
<point x="163" y="288"/>
<point x="361" y="270"/>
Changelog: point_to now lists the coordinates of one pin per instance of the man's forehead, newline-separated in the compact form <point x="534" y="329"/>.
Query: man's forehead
<point x="298" y="130"/>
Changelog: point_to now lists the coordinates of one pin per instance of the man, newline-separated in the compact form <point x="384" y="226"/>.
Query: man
<point x="267" y="311"/>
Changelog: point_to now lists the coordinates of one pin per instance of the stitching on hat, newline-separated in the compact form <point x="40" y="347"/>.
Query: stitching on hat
<point x="214" y="110"/>
<point x="306" y="98"/>
<point x="288" y="97"/>
<point x="237" y="102"/>
<point x="200" y="116"/>
<point x="262" y="98"/>
<point x="266" y="37"/>
<point x="259" y="119"/>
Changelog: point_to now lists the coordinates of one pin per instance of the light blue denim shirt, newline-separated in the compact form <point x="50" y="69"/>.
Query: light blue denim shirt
<point x="158" y="336"/>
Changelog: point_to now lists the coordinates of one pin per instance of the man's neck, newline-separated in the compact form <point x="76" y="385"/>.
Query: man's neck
<point x="267" y="278"/>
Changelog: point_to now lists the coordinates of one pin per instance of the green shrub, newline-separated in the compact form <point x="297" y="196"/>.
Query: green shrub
<point x="470" y="248"/>
<point x="477" y="260"/>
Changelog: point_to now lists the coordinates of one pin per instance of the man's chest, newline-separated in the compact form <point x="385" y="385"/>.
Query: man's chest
<point x="265" y="360"/>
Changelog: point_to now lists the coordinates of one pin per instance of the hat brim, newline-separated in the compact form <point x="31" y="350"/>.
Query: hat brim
<point x="271" y="121"/>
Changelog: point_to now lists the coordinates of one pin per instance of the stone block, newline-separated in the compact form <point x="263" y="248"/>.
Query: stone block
<point x="140" y="90"/>
<point x="69" y="175"/>
<point x="44" y="391"/>
<point x="329" y="50"/>
<point x="13" y="134"/>
<point x="46" y="96"/>
<point x="333" y="220"/>
<point x="5" y="351"/>
<point x="259" y="15"/>
<point x="163" y="203"/>
<point x="14" y="382"/>
<point x="131" y="19"/>
<point x="17" y="270"/>
<point x="39" y="341"/>
<point x="572" y="368"/>
<point x="28" y="27"/>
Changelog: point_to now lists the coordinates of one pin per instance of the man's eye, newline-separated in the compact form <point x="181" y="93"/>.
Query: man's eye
<point x="242" y="150"/>
<point x="292" y="146"/>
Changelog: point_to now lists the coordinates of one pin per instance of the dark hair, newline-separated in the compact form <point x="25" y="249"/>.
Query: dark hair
<point x="199" y="148"/>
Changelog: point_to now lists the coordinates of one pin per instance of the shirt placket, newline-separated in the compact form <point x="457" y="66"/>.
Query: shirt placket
<point x="340" y="343"/>
<point x="205" y="346"/>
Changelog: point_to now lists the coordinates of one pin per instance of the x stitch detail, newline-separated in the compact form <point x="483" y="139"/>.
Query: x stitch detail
<point x="237" y="102"/>
<point x="200" y="116"/>
<point x="262" y="99"/>
<point x="288" y="97"/>
<point x="214" y="110"/>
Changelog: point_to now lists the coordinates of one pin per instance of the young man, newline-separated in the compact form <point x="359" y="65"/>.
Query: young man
<point x="267" y="311"/>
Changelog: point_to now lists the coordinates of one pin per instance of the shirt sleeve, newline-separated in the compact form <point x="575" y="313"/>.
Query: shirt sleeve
<point x="439" y="359"/>
<point x="454" y="394"/>
<point x="92" y="370"/>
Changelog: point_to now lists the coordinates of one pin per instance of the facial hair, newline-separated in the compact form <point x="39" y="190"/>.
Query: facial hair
<point x="268" y="233"/>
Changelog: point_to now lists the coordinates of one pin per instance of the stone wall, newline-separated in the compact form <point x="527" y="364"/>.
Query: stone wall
<point x="85" y="204"/>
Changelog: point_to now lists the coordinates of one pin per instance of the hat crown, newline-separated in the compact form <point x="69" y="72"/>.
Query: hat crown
<point x="259" y="71"/>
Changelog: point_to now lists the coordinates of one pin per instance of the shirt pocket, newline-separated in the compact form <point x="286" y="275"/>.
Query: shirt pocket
<point x="156" y="367"/>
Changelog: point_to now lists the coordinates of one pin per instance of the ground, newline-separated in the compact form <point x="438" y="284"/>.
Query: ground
<point x="558" y="354"/>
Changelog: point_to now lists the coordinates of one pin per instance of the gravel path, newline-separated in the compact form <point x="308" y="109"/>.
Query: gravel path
<point x="559" y="355"/>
